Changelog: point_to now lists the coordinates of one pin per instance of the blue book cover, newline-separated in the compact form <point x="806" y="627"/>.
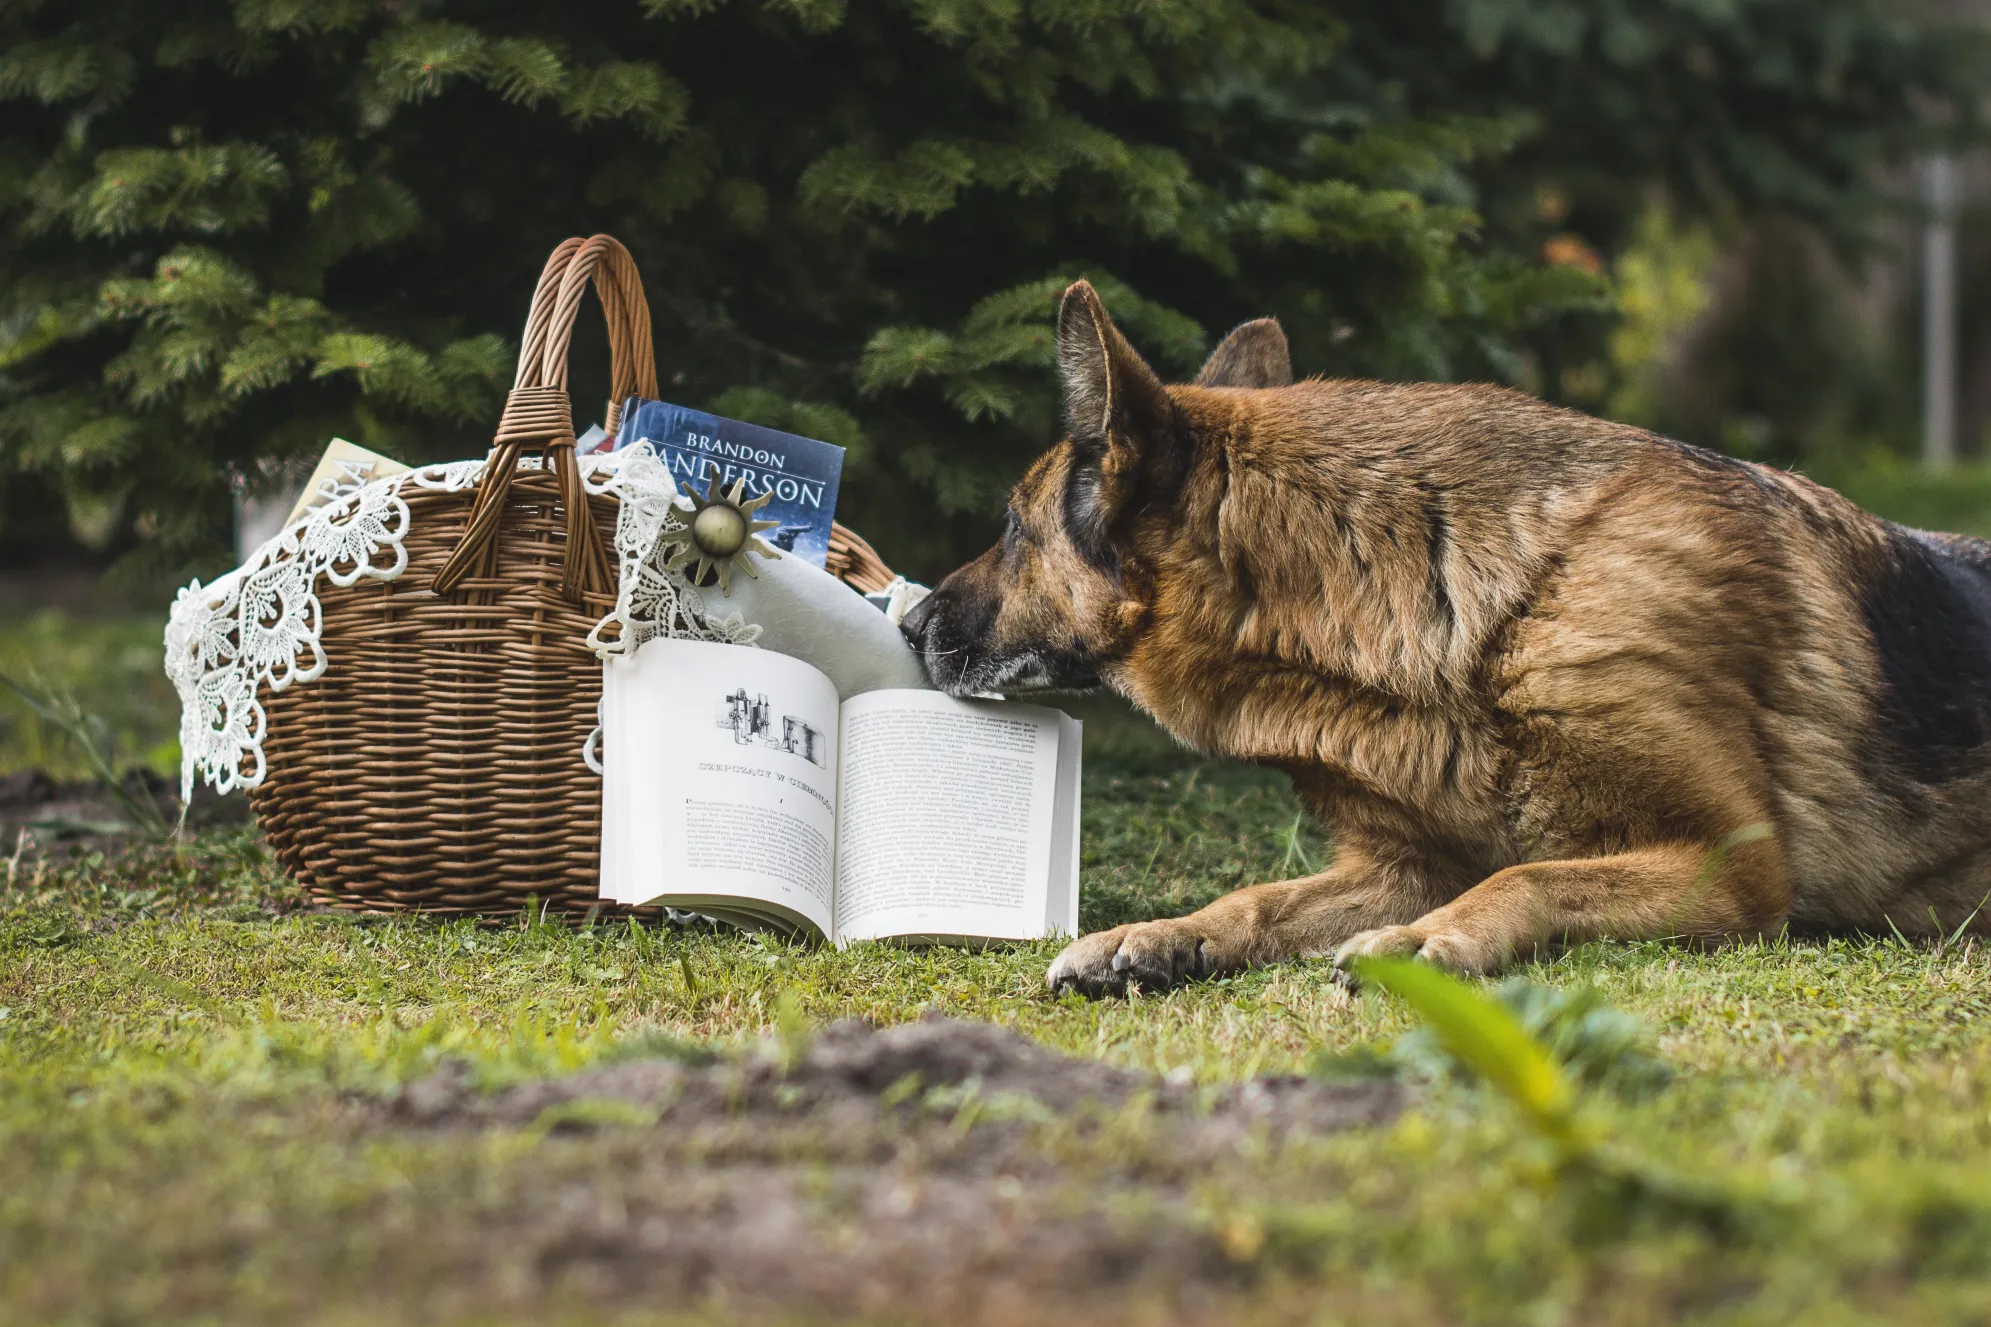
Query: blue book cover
<point x="801" y="473"/>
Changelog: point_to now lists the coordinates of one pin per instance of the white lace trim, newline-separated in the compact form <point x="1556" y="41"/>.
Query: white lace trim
<point x="260" y="624"/>
<point x="650" y="600"/>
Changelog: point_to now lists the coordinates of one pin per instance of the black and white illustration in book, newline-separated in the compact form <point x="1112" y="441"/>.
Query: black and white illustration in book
<point x="751" y="718"/>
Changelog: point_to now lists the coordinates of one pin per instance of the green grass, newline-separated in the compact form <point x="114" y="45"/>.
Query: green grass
<point x="176" y="1043"/>
<point x="182" y="1048"/>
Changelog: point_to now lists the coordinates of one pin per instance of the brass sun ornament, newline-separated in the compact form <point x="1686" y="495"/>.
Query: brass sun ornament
<point x="722" y="534"/>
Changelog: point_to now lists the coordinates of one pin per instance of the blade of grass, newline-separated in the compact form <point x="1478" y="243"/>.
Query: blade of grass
<point x="1293" y="848"/>
<point x="1964" y="925"/>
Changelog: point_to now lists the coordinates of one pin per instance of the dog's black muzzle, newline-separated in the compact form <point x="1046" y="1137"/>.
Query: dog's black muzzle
<point x="932" y="630"/>
<point x="950" y="637"/>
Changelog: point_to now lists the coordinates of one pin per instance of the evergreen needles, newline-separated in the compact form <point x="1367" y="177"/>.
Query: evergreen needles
<point x="231" y="230"/>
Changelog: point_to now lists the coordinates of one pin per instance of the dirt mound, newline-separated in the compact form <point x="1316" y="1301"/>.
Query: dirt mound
<point x="941" y="1168"/>
<point x="851" y="1065"/>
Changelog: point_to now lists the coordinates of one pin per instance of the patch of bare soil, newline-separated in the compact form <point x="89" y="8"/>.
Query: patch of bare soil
<point x="936" y="1170"/>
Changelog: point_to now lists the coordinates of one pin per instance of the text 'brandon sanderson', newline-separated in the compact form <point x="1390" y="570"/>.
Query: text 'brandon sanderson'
<point x="699" y="456"/>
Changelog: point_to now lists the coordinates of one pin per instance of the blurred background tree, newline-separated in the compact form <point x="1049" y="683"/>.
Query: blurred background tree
<point x="230" y="229"/>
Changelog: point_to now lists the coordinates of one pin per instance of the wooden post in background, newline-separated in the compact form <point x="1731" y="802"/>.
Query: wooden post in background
<point x="1939" y="323"/>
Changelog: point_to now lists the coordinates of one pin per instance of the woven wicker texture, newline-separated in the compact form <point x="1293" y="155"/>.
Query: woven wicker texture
<point x="437" y="763"/>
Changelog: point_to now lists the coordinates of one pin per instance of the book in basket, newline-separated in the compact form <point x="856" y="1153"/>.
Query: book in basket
<point x="736" y="784"/>
<point x="797" y="475"/>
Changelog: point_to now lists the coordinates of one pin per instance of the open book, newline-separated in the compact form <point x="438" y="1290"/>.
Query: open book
<point x="735" y="784"/>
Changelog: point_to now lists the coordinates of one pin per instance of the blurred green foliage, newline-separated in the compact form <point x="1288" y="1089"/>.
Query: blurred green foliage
<point x="232" y="228"/>
<point x="1957" y="499"/>
<point x="111" y="667"/>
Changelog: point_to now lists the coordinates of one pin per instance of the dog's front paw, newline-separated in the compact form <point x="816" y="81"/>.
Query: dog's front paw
<point x="1151" y="955"/>
<point x="1453" y="950"/>
<point x="1086" y="965"/>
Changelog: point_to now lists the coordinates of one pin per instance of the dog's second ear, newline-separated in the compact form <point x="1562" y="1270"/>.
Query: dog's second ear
<point x="1253" y="355"/>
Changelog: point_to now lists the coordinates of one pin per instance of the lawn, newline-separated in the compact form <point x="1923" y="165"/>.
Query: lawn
<point x="208" y="1112"/>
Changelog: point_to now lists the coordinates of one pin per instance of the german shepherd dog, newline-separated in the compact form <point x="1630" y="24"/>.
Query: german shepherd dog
<point x="1547" y="678"/>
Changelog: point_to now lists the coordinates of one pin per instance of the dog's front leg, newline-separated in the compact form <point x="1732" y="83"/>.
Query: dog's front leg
<point x="1685" y="890"/>
<point x="1262" y="924"/>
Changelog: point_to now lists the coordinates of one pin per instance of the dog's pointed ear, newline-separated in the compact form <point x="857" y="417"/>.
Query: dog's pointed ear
<point x="1253" y="355"/>
<point x="1113" y="400"/>
<point x="1123" y="424"/>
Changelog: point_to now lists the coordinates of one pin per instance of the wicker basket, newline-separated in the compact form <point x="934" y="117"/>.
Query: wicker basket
<point x="437" y="763"/>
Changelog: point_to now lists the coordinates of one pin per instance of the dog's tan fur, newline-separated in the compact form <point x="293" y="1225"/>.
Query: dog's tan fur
<point x="1547" y="678"/>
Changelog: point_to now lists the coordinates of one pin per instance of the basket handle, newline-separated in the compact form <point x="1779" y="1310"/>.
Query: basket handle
<point x="539" y="417"/>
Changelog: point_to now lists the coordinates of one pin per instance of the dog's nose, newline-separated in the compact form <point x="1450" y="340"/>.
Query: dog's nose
<point x="913" y="624"/>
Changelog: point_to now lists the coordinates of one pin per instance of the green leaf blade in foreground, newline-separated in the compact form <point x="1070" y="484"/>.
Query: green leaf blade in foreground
<point x="1483" y="1034"/>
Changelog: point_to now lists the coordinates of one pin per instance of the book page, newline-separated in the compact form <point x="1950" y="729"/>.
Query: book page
<point x="947" y="810"/>
<point x="721" y="783"/>
<point x="1061" y="900"/>
<point x="612" y="780"/>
